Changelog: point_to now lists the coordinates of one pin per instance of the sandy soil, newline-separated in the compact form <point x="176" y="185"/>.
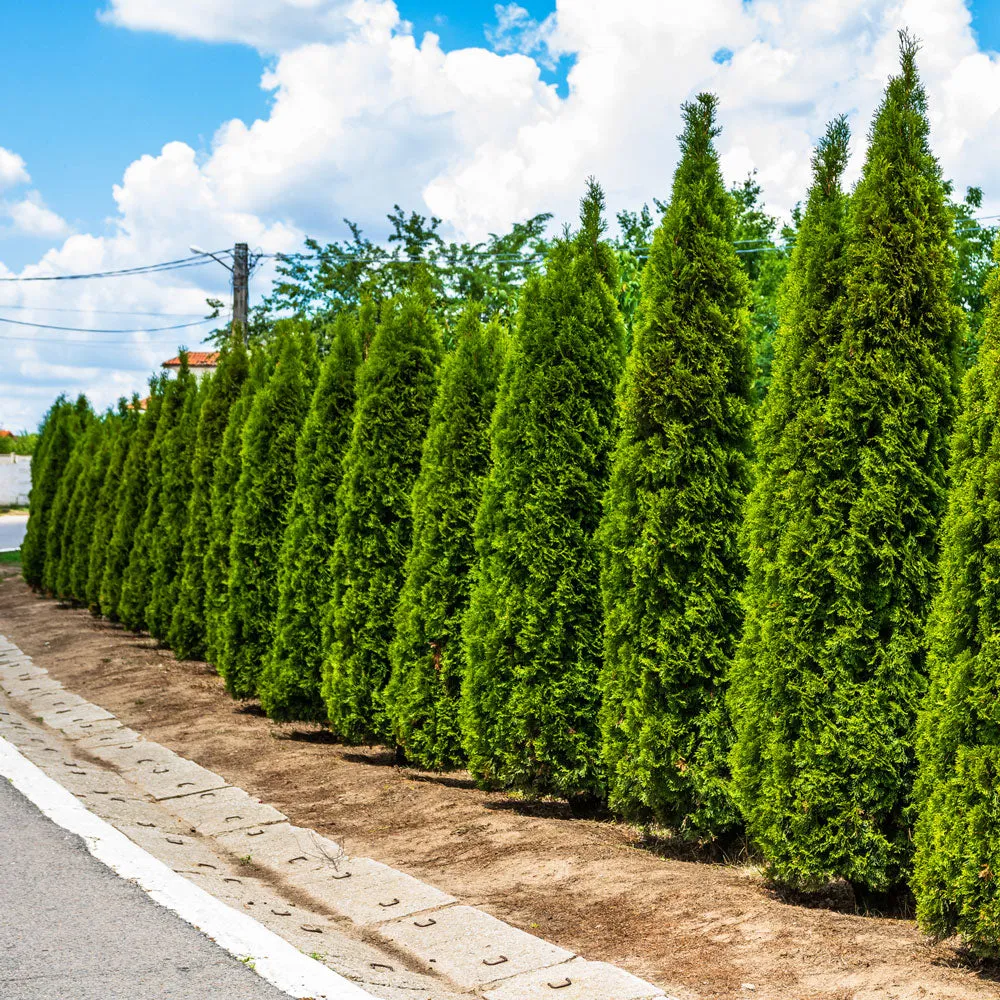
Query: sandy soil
<point x="699" y="930"/>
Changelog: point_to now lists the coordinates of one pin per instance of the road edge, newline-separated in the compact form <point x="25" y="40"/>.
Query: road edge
<point x="270" y="956"/>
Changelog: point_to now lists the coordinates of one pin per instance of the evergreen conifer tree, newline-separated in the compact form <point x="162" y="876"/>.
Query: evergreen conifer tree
<point x="289" y="686"/>
<point x="88" y="446"/>
<point x="130" y="501"/>
<point x="267" y="479"/>
<point x="62" y="516"/>
<point x="76" y="578"/>
<point x="107" y="509"/>
<point x="168" y="534"/>
<point x="671" y="568"/>
<point x="395" y="390"/>
<point x="422" y="697"/>
<point x="225" y="479"/>
<point x="794" y="468"/>
<point x="532" y="635"/>
<point x="188" y="626"/>
<point x="855" y="562"/>
<point x="58" y="435"/>
<point x="137" y="585"/>
<point x="957" y="859"/>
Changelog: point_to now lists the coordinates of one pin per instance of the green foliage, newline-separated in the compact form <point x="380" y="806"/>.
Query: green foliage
<point x="58" y="434"/>
<point x="130" y="502"/>
<point x="957" y="861"/>
<point x="137" y="583"/>
<point x="795" y="472"/>
<point x="972" y="244"/>
<point x="267" y="479"/>
<point x="837" y="709"/>
<point x="395" y="391"/>
<point x="167" y="546"/>
<point x="107" y="504"/>
<point x="188" y="628"/>
<point x="110" y="426"/>
<point x="225" y="479"/>
<point x="670" y="565"/>
<point x="532" y="636"/>
<point x="289" y="686"/>
<point x="85" y="455"/>
<point x="426" y="655"/>
<point x="765" y="264"/>
<point x="62" y="513"/>
<point x="341" y="275"/>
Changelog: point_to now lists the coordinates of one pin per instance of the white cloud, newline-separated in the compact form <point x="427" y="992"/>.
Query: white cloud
<point x="269" y="25"/>
<point x="31" y="217"/>
<point x="12" y="169"/>
<point x="364" y="115"/>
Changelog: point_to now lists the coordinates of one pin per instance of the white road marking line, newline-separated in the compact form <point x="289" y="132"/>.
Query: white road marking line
<point x="273" y="958"/>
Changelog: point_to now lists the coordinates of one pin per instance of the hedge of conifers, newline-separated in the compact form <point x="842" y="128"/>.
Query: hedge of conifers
<point x="583" y="566"/>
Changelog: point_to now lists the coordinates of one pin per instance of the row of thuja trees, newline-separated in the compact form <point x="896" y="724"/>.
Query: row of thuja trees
<point x="578" y="561"/>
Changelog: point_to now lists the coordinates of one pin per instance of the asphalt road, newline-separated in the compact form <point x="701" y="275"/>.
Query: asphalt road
<point x="12" y="529"/>
<point x="71" y="928"/>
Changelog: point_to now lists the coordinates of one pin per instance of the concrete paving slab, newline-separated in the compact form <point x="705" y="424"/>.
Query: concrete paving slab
<point x="85" y="730"/>
<point x="103" y="734"/>
<point x="183" y="852"/>
<point x="24" y="688"/>
<point x="283" y="849"/>
<point x="21" y="673"/>
<point x="50" y="695"/>
<point x="223" y="811"/>
<point x="129" y="810"/>
<point x="575" y="980"/>
<point x="83" y="779"/>
<point x="133" y="755"/>
<point x="182" y="777"/>
<point x="471" y="947"/>
<point x="60" y="718"/>
<point x="369" y="892"/>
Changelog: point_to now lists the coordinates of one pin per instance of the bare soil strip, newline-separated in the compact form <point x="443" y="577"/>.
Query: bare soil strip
<point x="700" y="931"/>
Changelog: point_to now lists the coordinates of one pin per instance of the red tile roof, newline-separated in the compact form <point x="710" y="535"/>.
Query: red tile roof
<point x="196" y="359"/>
<point x="6" y="434"/>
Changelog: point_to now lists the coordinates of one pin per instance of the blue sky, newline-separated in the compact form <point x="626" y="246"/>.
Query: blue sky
<point x="109" y="95"/>
<point x="482" y="130"/>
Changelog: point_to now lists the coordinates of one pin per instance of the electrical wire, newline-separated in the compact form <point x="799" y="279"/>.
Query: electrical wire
<point x="198" y="260"/>
<point x="94" y="329"/>
<point x="97" y="312"/>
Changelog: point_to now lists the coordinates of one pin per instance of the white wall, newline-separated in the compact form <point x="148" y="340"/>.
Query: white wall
<point x="15" y="480"/>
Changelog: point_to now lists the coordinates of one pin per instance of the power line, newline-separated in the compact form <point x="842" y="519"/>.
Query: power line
<point x="64" y="341"/>
<point x="94" y="329"/>
<point x="168" y="265"/>
<point x="98" y="312"/>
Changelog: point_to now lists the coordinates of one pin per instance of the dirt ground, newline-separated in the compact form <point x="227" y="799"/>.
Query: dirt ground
<point x="699" y="930"/>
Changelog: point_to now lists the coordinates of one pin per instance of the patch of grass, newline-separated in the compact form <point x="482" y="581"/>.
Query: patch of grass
<point x="10" y="558"/>
<point x="13" y="510"/>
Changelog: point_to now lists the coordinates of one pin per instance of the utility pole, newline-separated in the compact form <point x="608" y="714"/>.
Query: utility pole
<point x="241" y="289"/>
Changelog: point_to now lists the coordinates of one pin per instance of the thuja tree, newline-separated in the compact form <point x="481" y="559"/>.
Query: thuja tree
<point x="796" y="471"/>
<point x="76" y="517"/>
<point x="844" y="718"/>
<point x="58" y="435"/>
<point x="957" y="860"/>
<point x="168" y="535"/>
<point x="395" y="390"/>
<point x="87" y="516"/>
<point x="532" y="635"/>
<point x="62" y="512"/>
<point x="267" y="478"/>
<point x="225" y="478"/>
<point x="423" y="695"/>
<point x="289" y="686"/>
<point x="130" y="502"/>
<point x="107" y="508"/>
<point x="188" y="627"/>
<point x="137" y="584"/>
<point x="670" y="564"/>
